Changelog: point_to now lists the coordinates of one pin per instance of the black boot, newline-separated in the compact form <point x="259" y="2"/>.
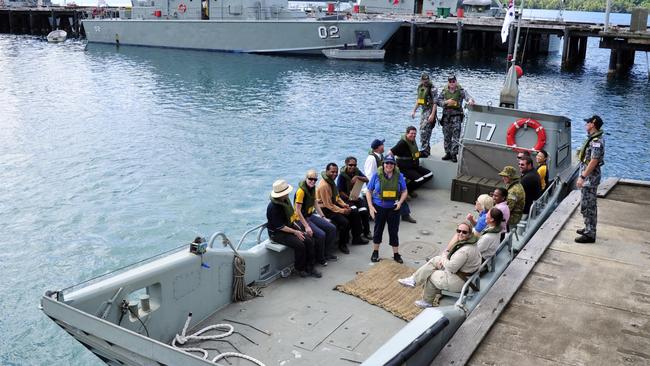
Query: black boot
<point x="447" y="156"/>
<point x="397" y="258"/>
<point x="454" y="159"/>
<point x="375" y="256"/>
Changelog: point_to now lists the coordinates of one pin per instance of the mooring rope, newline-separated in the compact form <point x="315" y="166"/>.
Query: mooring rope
<point x="183" y="338"/>
<point x="241" y="292"/>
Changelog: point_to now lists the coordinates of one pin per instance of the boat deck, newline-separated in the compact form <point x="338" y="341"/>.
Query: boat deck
<point x="582" y="304"/>
<point x="321" y="326"/>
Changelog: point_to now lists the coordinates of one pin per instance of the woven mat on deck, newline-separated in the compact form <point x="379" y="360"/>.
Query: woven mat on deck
<point x="379" y="286"/>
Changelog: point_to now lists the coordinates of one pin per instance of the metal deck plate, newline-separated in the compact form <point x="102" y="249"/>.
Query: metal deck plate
<point x="317" y="325"/>
<point x="347" y="337"/>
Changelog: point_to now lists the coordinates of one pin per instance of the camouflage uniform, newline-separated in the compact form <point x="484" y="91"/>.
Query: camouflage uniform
<point x="516" y="196"/>
<point x="452" y="117"/>
<point x="426" y="127"/>
<point x="594" y="149"/>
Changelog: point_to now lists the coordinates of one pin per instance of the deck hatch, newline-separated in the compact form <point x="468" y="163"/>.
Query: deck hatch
<point x="347" y="337"/>
<point x="317" y="325"/>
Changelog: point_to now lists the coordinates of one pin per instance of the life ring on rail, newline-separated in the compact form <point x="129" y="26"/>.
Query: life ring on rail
<point x="182" y="8"/>
<point x="539" y="129"/>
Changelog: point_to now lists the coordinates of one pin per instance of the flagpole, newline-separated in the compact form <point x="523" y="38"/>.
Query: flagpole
<point x="521" y="15"/>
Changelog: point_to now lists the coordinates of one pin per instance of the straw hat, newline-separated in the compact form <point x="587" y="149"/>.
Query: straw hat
<point x="281" y="188"/>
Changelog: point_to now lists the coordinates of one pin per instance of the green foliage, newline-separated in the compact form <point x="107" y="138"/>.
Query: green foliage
<point x="618" y="6"/>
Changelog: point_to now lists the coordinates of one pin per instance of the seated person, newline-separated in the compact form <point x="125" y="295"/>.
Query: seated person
<point x="531" y="182"/>
<point x="337" y="211"/>
<point x="488" y="242"/>
<point x="317" y="227"/>
<point x="483" y="204"/>
<point x="348" y="177"/>
<point x="407" y="154"/>
<point x="500" y="196"/>
<point x="449" y="270"/>
<point x="284" y="228"/>
<point x="542" y="169"/>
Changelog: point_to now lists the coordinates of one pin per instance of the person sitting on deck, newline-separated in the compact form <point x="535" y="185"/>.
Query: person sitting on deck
<point x="316" y="226"/>
<point x="516" y="195"/>
<point x="499" y="196"/>
<point x="284" y="228"/>
<point x="408" y="161"/>
<point x="449" y="270"/>
<point x="386" y="194"/>
<point x="339" y="212"/>
<point x="346" y="180"/>
<point x="488" y="242"/>
<point x="542" y="169"/>
<point x="531" y="182"/>
<point x="483" y="204"/>
<point x="373" y="162"/>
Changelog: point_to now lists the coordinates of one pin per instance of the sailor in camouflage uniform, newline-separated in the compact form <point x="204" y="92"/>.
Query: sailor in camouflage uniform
<point x="591" y="157"/>
<point x="427" y="95"/>
<point x="516" y="195"/>
<point x="451" y="100"/>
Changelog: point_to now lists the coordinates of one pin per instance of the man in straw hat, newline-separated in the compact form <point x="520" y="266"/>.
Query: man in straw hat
<point x="284" y="228"/>
<point x="516" y="195"/>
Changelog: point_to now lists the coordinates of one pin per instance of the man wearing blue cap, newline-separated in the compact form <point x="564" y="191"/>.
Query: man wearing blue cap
<point x="373" y="161"/>
<point x="591" y="157"/>
<point x="386" y="194"/>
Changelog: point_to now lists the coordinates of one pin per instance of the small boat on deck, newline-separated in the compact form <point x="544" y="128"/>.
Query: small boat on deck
<point x="355" y="54"/>
<point x="57" y="36"/>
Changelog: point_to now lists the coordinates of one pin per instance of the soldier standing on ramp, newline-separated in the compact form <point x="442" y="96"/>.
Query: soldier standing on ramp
<point x="591" y="157"/>
<point x="451" y="100"/>
<point x="427" y="95"/>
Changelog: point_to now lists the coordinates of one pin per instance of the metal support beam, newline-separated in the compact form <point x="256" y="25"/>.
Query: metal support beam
<point x="412" y="39"/>
<point x="459" y="37"/>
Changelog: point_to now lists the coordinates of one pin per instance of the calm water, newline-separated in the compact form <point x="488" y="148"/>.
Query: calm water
<point x="110" y="156"/>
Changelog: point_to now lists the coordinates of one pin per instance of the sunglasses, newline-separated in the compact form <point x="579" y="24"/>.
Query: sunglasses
<point x="462" y="231"/>
<point x="352" y="164"/>
<point x="312" y="179"/>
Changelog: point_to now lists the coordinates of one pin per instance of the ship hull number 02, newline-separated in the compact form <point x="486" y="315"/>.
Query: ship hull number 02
<point x="328" y="32"/>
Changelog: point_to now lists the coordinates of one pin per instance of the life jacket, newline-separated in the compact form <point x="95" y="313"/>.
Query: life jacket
<point x="378" y="160"/>
<point x="582" y="155"/>
<point x="289" y="212"/>
<point x="335" y="191"/>
<point x="348" y="178"/>
<point x="308" y="200"/>
<point x="388" y="188"/>
<point x="456" y="95"/>
<point x="462" y="243"/>
<point x="425" y="98"/>
<point x="413" y="148"/>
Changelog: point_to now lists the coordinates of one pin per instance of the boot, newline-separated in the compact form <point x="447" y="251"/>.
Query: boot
<point x="359" y="241"/>
<point x="375" y="256"/>
<point x="397" y="258"/>
<point x="344" y="249"/>
<point x="409" y="218"/>
<point x="314" y="273"/>
<point x="447" y="156"/>
<point x="580" y="231"/>
<point x="585" y="239"/>
<point x="454" y="159"/>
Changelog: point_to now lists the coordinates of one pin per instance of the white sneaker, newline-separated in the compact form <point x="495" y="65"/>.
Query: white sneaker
<point x="422" y="304"/>
<point x="408" y="281"/>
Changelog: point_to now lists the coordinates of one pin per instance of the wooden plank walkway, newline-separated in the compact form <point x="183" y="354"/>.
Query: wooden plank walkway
<point x="581" y="304"/>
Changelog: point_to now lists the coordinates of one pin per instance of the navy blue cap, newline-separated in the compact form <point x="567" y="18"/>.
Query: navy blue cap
<point x="376" y="143"/>
<point x="596" y="120"/>
<point x="389" y="159"/>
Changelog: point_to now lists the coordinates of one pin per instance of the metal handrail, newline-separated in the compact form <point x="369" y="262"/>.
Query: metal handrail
<point x="260" y="229"/>
<point x="224" y="240"/>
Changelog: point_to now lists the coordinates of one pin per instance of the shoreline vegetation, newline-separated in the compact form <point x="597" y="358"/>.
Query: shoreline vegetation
<point x="618" y="6"/>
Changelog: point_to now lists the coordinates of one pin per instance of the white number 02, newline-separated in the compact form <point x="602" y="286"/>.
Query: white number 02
<point x="331" y="32"/>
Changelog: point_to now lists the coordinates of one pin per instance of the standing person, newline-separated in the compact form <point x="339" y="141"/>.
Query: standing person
<point x="516" y="195"/>
<point x="373" y="161"/>
<point x="386" y="194"/>
<point x="451" y="100"/>
<point x="346" y="180"/>
<point x="317" y="227"/>
<point x="284" y="228"/>
<point x="427" y="95"/>
<point x="408" y="160"/>
<point x="339" y="212"/>
<point x="542" y="169"/>
<point x="592" y="155"/>
<point x="531" y="182"/>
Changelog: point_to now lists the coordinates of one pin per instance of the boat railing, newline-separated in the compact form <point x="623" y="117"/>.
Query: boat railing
<point x="258" y="239"/>
<point x="539" y="205"/>
<point x="464" y="292"/>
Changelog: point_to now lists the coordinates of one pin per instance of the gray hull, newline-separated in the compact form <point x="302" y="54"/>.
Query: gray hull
<point x="253" y="36"/>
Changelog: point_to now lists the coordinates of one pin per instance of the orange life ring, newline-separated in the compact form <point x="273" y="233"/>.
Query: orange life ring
<point x="182" y="8"/>
<point x="512" y="132"/>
